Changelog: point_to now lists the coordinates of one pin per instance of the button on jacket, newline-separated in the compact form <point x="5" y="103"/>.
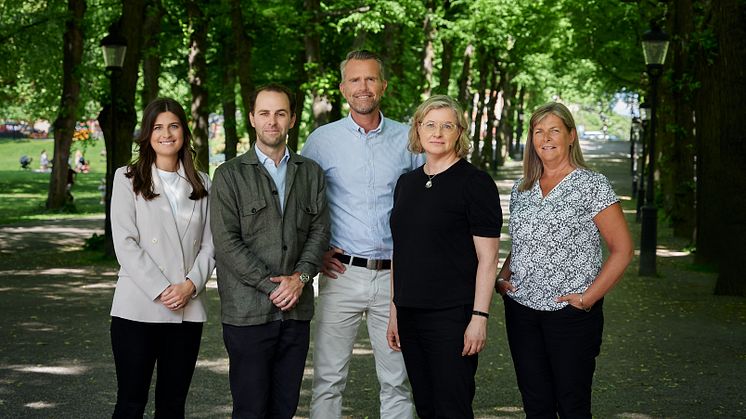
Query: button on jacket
<point x="255" y="240"/>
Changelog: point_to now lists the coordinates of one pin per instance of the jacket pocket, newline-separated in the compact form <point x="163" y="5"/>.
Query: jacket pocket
<point x="307" y="211"/>
<point x="252" y="216"/>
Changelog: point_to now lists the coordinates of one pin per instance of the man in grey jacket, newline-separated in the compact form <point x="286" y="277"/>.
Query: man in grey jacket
<point x="270" y="226"/>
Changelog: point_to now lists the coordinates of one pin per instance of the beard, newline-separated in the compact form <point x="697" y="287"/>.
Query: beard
<point x="364" y="107"/>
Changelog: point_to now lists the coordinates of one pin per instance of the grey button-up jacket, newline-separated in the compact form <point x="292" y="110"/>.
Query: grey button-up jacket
<point x="254" y="240"/>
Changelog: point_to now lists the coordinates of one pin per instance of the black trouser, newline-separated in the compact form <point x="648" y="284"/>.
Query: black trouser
<point x="266" y="367"/>
<point x="442" y="379"/>
<point x="554" y="354"/>
<point x="137" y="348"/>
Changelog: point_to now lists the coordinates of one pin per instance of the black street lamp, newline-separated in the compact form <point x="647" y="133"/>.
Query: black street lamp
<point x="114" y="47"/>
<point x="654" y="47"/>
<point x="644" y="125"/>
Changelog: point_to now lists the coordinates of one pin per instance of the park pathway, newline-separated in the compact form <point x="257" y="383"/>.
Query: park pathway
<point x="671" y="349"/>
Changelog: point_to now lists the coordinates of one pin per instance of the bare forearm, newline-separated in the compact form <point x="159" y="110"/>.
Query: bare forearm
<point x="611" y="272"/>
<point x="487" y="255"/>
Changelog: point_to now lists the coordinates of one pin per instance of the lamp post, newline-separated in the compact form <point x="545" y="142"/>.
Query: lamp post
<point x="114" y="47"/>
<point x="654" y="47"/>
<point x="644" y="125"/>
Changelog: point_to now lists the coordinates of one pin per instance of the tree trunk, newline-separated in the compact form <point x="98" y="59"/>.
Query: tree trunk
<point x="300" y="96"/>
<point x="321" y="106"/>
<point x="488" y="151"/>
<point x="446" y="56"/>
<point x="446" y="63"/>
<point x="484" y="66"/>
<point x="514" y="146"/>
<point x="244" y="43"/>
<point x="506" y="119"/>
<point x="464" y="80"/>
<point x="728" y="18"/>
<point x="118" y="132"/>
<point x="151" y="61"/>
<point x="64" y="125"/>
<point x="683" y="212"/>
<point x="228" y="97"/>
<point x="708" y="162"/>
<point x="198" y="83"/>
<point x="428" y="51"/>
<point x="391" y="53"/>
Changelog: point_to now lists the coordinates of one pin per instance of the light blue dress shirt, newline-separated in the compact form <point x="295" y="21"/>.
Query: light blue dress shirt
<point x="278" y="173"/>
<point x="361" y="172"/>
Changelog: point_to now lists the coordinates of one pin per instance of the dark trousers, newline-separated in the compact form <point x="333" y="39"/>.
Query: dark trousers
<point x="138" y="347"/>
<point x="442" y="379"/>
<point x="554" y="355"/>
<point x="266" y="367"/>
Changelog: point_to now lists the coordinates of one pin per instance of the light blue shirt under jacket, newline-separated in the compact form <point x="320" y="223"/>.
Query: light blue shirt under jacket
<point x="361" y="171"/>
<point x="278" y="173"/>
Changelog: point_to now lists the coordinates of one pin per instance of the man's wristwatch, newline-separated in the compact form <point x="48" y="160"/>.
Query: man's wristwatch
<point x="304" y="277"/>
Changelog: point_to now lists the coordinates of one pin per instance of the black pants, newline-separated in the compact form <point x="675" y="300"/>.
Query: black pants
<point x="554" y="354"/>
<point x="442" y="379"/>
<point x="137" y="348"/>
<point x="266" y="367"/>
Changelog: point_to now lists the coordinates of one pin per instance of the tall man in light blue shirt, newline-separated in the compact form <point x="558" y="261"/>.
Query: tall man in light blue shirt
<point x="362" y="156"/>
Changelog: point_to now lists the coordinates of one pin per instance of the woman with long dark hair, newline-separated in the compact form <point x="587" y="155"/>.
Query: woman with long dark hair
<point x="161" y="231"/>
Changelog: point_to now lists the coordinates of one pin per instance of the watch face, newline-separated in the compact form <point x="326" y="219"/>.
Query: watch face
<point x="304" y="277"/>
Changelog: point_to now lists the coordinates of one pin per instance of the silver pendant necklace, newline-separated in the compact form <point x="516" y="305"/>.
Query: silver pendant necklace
<point x="429" y="183"/>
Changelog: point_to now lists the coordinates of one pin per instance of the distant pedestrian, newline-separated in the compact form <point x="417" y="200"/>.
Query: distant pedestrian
<point x="79" y="161"/>
<point x="161" y="233"/>
<point x="554" y="280"/>
<point x="25" y="162"/>
<point x="44" y="162"/>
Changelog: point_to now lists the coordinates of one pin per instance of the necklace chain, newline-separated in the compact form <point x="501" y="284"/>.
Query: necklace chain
<point x="429" y="183"/>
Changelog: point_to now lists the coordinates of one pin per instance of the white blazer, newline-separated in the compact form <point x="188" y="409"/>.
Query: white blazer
<point x="153" y="255"/>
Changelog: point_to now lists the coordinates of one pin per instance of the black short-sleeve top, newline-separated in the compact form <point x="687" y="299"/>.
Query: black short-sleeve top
<point x="435" y="261"/>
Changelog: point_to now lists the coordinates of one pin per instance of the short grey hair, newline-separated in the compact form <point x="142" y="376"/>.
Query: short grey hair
<point x="362" y="54"/>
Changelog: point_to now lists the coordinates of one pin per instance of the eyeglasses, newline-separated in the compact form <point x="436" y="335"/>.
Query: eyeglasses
<point x="430" y="127"/>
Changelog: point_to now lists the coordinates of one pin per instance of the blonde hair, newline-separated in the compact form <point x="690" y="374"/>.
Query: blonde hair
<point x="463" y="143"/>
<point x="532" y="166"/>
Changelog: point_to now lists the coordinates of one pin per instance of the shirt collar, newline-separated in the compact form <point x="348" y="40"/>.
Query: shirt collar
<point x="357" y="128"/>
<point x="263" y="157"/>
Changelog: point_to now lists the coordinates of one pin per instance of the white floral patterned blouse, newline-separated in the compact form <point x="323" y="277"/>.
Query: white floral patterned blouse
<point x="556" y="245"/>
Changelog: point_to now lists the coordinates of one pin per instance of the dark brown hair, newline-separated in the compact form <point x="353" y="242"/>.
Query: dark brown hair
<point x="273" y="87"/>
<point x="140" y="171"/>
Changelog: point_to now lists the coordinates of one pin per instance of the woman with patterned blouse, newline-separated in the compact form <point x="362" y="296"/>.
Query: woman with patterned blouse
<point x="554" y="280"/>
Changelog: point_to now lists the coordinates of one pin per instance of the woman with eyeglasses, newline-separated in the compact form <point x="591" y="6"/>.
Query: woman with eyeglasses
<point x="445" y="224"/>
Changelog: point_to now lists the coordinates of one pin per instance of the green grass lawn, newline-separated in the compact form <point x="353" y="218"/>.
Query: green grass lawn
<point x="23" y="193"/>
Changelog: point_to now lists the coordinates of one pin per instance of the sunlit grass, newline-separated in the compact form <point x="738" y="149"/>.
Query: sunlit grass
<point x="23" y="193"/>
